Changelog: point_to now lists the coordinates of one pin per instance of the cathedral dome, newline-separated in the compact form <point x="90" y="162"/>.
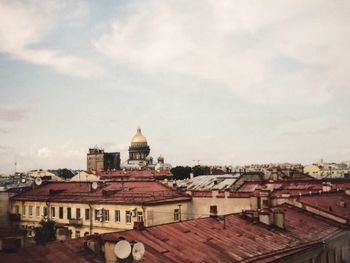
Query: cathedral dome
<point x="138" y="138"/>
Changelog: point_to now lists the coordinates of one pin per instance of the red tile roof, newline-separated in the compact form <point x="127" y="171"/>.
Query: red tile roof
<point x="135" y="173"/>
<point x="207" y="240"/>
<point x="336" y="203"/>
<point x="54" y="252"/>
<point x="294" y="187"/>
<point x="133" y="192"/>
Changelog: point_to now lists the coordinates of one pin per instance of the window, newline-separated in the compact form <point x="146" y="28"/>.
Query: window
<point x="139" y="217"/>
<point x="98" y="214"/>
<point x="23" y="210"/>
<point x="177" y="216"/>
<point x="45" y="211"/>
<point x="87" y="214"/>
<point x="60" y="212"/>
<point x="77" y="234"/>
<point x="37" y="211"/>
<point x="117" y="216"/>
<point x="53" y="212"/>
<point x="86" y="234"/>
<point x="105" y="214"/>
<point x="17" y="209"/>
<point x="266" y="202"/>
<point x="30" y="212"/>
<point x="69" y="213"/>
<point x="128" y="217"/>
<point x="77" y="213"/>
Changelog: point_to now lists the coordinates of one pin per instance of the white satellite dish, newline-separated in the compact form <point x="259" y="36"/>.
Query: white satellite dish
<point x="138" y="251"/>
<point x="38" y="181"/>
<point x="122" y="249"/>
<point x="94" y="185"/>
<point x="23" y="180"/>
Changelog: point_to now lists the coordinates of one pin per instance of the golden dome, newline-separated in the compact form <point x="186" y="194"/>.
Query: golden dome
<point x="138" y="138"/>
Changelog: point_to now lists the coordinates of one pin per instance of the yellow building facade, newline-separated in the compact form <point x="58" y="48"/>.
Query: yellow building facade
<point x="105" y="214"/>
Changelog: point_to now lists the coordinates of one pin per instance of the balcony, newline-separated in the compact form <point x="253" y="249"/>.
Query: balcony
<point x="14" y="217"/>
<point x="76" y="222"/>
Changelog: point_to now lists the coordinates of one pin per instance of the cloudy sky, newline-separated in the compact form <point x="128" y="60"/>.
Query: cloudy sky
<point x="224" y="82"/>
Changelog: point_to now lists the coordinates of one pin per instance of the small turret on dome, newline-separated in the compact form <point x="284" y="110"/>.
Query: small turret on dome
<point x="160" y="159"/>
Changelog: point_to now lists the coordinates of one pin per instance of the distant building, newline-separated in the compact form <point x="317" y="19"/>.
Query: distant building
<point x="321" y="169"/>
<point x="139" y="155"/>
<point x="98" y="160"/>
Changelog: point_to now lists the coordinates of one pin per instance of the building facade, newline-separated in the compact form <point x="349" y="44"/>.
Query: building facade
<point x="112" y="206"/>
<point x="98" y="160"/>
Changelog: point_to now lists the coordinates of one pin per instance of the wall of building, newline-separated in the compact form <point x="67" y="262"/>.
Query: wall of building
<point x="153" y="215"/>
<point x="165" y="213"/>
<point x="225" y="205"/>
<point x="4" y="207"/>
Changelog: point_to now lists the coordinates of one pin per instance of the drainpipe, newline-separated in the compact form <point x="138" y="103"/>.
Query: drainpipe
<point x="48" y="209"/>
<point x="144" y="214"/>
<point x="90" y="216"/>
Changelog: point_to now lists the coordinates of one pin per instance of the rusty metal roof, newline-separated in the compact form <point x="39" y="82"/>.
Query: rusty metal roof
<point x="132" y="192"/>
<point x="336" y="203"/>
<point x="233" y="239"/>
<point x="55" y="252"/>
<point x="135" y="173"/>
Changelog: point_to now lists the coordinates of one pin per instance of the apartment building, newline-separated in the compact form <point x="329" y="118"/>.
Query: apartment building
<point x="85" y="208"/>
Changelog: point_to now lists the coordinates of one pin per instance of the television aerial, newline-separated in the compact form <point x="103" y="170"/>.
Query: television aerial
<point x="122" y="249"/>
<point x="38" y="181"/>
<point x="138" y="251"/>
<point x="94" y="185"/>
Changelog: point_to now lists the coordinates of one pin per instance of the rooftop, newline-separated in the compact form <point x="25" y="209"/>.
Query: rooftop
<point x="337" y="203"/>
<point x="135" y="173"/>
<point x="132" y="192"/>
<point x="55" y="252"/>
<point x="236" y="239"/>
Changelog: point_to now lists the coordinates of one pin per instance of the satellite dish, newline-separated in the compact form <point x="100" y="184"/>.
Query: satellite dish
<point x="94" y="185"/>
<point x="138" y="251"/>
<point x="122" y="249"/>
<point x="23" y="180"/>
<point x="38" y="181"/>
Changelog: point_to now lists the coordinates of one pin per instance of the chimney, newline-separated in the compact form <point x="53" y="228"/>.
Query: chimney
<point x="213" y="211"/>
<point x="139" y="226"/>
<point x="279" y="219"/>
<point x="326" y="187"/>
<point x="266" y="217"/>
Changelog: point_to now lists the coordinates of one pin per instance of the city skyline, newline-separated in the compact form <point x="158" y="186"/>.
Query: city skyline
<point x="218" y="81"/>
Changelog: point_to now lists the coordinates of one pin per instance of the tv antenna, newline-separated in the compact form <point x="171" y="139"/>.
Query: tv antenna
<point x="122" y="249"/>
<point x="138" y="251"/>
<point x="197" y="161"/>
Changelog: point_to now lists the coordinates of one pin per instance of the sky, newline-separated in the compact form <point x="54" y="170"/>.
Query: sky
<point x="223" y="82"/>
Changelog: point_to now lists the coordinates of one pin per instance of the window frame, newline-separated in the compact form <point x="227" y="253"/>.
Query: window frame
<point x="117" y="216"/>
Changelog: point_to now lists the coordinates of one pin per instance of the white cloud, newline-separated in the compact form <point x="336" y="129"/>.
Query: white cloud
<point x="25" y="24"/>
<point x="270" y="51"/>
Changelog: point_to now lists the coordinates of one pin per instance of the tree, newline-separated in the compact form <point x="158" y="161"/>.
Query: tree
<point x="180" y="172"/>
<point x="46" y="232"/>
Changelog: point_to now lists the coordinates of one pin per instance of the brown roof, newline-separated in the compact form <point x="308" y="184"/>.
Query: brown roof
<point x="135" y="173"/>
<point x="294" y="187"/>
<point x="207" y="240"/>
<point x="336" y="203"/>
<point x="55" y="252"/>
<point x="132" y="192"/>
<point x="8" y="231"/>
